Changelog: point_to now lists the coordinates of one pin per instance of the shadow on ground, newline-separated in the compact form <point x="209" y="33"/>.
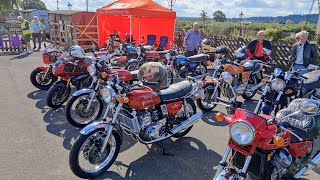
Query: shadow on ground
<point x="191" y="160"/>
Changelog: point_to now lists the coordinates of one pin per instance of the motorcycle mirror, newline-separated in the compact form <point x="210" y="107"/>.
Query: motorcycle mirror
<point x="266" y="51"/>
<point x="313" y="67"/>
<point x="309" y="108"/>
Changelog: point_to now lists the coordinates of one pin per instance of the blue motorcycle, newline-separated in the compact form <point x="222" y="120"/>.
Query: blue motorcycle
<point x="182" y="66"/>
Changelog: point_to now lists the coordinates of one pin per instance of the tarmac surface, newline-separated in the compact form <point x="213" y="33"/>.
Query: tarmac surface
<point x="35" y="139"/>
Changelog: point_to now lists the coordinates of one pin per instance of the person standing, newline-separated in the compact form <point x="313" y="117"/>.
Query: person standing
<point x="193" y="40"/>
<point x="38" y="31"/>
<point x="26" y="32"/>
<point x="303" y="54"/>
<point x="255" y="48"/>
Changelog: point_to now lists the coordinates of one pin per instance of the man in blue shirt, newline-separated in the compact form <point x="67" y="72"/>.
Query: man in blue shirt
<point x="193" y="40"/>
<point x="38" y="31"/>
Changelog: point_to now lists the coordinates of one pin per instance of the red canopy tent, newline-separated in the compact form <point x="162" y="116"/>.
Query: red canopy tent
<point x="138" y="18"/>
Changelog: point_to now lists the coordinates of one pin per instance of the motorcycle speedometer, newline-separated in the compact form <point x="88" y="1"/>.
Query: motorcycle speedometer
<point x="242" y="132"/>
<point x="277" y="84"/>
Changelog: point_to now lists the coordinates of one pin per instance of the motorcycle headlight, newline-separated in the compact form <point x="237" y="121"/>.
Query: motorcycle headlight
<point x="277" y="84"/>
<point x="287" y="75"/>
<point x="216" y="64"/>
<point x="92" y="70"/>
<point x="139" y="51"/>
<point x="242" y="133"/>
<point x="107" y="94"/>
<point x="227" y="77"/>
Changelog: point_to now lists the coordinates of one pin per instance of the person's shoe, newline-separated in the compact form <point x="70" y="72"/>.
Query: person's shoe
<point x="34" y="47"/>
<point x="39" y="48"/>
<point x="30" y="51"/>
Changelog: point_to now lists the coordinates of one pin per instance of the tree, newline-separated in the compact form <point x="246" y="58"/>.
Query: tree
<point x="289" y="22"/>
<point x="276" y="21"/>
<point x="8" y="5"/>
<point x="219" y="16"/>
<point x="33" y="4"/>
<point x="204" y="16"/>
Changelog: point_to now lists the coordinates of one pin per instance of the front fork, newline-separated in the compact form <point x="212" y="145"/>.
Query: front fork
<point x="266" y="89"/>
<point x="93" y="94"/>
<point x="47" y="71"/>
<point x="223" y="164"/>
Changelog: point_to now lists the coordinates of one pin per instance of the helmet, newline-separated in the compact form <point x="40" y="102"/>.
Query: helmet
<point x="77" y="51"/>
<point x="206" y="42"/>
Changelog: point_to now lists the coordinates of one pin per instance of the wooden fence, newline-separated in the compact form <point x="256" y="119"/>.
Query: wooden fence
<point x="280" y="52"/>
<point x="10" y="38"/>
<point x="63" y="35"/>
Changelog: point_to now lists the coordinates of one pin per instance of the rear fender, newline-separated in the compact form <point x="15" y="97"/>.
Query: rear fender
<point x="43" y="68"/>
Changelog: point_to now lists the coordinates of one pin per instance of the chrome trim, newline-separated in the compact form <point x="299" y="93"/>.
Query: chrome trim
<point x="245" y="167"/>
<point x="315" y="161"/>
<point x="93" y="126"/>
<point x="82" y="91"/>
<point x="252" y="128"/>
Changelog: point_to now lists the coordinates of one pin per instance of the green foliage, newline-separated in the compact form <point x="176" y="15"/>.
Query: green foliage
<point x="288" y="40"/>
<point x="289" y="22"/>
<point x="204" y="16"/>
<point x="7" y="6"/>
<point x="33" y="4"/>
<point x="219" y="16"/>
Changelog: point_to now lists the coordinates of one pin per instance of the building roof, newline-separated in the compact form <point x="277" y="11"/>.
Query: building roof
<point x="66" y="12"/>
<point x="31" y="10"/>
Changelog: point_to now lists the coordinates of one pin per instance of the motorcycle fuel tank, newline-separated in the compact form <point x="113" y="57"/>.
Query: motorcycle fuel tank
<point x="143" y="98"/>
<point x="181" y="59"/>
<point x="124" y="75"/>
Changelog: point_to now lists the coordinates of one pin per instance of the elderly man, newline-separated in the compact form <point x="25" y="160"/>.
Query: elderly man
<point x="38" y="30"/>
<point x="154" y="72"/>
<point x="303" y="54"/>
<point x="26" y="32"/>
<point x="255" y="47"/>
<point x="193" y="40"/>
<point x="297" y="37"/>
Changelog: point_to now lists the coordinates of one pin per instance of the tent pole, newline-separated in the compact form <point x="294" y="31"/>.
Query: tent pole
<point x="139" y="32"/>
<point x="130" y="28"/>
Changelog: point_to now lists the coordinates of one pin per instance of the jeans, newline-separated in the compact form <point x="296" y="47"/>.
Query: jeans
<point x="301" y="68"/>
<point x="36" y="36"/>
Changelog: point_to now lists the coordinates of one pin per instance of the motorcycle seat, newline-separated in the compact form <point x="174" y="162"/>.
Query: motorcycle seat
<point x="251" y="66"/>
<point x="198" y="58"/>
<point x="218" y="50"/>
<point x="175" y="91"/>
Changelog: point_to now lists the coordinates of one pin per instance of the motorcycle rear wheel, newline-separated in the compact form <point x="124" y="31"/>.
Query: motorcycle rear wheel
<point x="208" y="91"/>
<point x="193" y="108"/>
<point x="90" y="146"/>
<point x="37" y="81"/>
<point x="57" y="95"/>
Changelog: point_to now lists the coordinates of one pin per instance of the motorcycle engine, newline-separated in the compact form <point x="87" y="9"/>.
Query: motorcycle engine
<point x="150" y="124"/>
<point x="281" y="161"/>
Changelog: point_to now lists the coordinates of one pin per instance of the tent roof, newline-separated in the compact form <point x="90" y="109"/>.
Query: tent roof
<point x="145" y="8"/>
<point x="67" y="12"/>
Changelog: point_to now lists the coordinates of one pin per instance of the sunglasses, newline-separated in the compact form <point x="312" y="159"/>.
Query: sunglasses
<point x="297" y="38"/>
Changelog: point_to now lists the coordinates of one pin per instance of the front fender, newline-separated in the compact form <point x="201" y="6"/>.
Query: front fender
<point x="133" y="61"/>
<point x="43" y="68"/>
<point x="82" y="91"/>
<point x="93" y="126"/>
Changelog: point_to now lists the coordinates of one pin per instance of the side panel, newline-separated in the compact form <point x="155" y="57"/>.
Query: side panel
<point x="144" y="98"/>
<point x="300" y="148"/>
<point x="174" y="107"/>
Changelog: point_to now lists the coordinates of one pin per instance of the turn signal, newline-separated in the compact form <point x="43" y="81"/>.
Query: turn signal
<point x="264" y="81"/>
<point x="197" y="97"/>
<point x="101" y="81"/>
<point x="289" y="91"/>
<point x="104" y="75"/>
<point x="219" y="116"/>
<point x="123" y="100"/>
<point x="278" y="141"/>
<point x="209" y="63"/>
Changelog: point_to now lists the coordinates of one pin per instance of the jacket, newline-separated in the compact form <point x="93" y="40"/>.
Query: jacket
<point x="25" y="27"/>
<point x="252" y="48"/>
<point x="310" y="53"/>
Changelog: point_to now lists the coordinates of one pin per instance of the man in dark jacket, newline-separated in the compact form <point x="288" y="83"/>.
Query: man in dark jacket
<point x="303" y="54"/>
<point x="255" y="48"/>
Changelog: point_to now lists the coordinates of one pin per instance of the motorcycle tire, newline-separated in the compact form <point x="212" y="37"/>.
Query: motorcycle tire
<point x="76" y="123"/>
<point x="132" y="66"/>
<point x="186" y="131"/>
<point x="208" y="88"/>
<point x="75" y="152"/>
<point x="205" y="70"/>
<point x="54" y="89"/>
<point x="249" y="96"/>
<point x="34" y="76"/>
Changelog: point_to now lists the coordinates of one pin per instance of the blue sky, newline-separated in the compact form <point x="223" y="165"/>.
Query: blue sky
<point x="192" y="8"/>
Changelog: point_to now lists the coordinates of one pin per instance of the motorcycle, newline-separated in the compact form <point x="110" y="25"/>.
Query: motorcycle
<point x="231" y="80"/>
<point x="71" y="71"/>
<point x="42" y="77"/>
<point x="137" y="110"/>
<point x="86" y="105"/>
<point x="269" y="147"/>
<point x="283" y="87"/>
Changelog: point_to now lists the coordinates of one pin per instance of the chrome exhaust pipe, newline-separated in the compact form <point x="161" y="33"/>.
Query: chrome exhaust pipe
<point x="256" y="87"/>
<point x="187" y="123"/>
<point x="314" y="162"/>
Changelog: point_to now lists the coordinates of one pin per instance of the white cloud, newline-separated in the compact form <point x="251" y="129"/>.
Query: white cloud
<point x="231" y="8"/>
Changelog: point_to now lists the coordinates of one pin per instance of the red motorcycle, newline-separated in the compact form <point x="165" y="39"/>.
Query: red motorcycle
<point x="137" y="110"/>
<point x="42" y="77"/>
<point x="265" y="147"/>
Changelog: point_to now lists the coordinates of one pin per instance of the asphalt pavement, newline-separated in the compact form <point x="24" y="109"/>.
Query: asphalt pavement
<point x="35" y="139"/>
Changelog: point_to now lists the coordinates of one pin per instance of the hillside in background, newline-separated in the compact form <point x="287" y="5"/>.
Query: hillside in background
<point x="295" y="18"/>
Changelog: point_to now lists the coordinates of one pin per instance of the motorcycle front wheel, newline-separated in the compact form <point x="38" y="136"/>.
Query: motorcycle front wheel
<point x="206" y="104"/>
<point x="77" y="113"/>
<point x="85" y="158"/>
<point x="39" y="81"/>
<point x="58" y="94"/>
<point x="247" y="95"/>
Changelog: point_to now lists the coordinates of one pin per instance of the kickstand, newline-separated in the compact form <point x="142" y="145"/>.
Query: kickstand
<point x="163" y="150"/>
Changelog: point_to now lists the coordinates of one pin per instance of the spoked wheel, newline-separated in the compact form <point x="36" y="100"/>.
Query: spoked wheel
<point x="77" y="112"/>
<point x="40" y="81"/>
<point x="249" y="94"/>
<point x="133" y="66"/>
<point x="191" y="110"/>
<point x="201" y="69"/>
<point x="207" y="104"/>
<point x="86" y="159"/>
<point x="57" y="95"/>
